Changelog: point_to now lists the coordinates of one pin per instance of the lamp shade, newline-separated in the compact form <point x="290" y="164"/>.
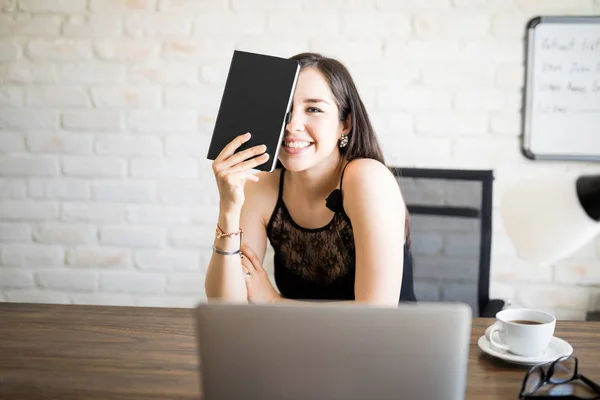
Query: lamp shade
<point x="548" y="220"/>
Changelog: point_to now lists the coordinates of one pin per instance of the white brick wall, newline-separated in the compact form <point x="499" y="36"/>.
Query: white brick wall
<point x="132" y="236"/>
<point x="107" y="106"/>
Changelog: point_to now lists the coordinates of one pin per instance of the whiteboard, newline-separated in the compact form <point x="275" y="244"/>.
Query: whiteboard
<point x="562" y="92"/>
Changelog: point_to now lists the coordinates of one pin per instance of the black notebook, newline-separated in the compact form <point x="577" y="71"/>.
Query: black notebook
<point x="257" y="98"/>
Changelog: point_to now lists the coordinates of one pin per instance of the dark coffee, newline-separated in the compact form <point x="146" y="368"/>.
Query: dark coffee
<point x="526" y="322"/>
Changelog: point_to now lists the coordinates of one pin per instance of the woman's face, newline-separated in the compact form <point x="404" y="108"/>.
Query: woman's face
<point x="314" y="129"/>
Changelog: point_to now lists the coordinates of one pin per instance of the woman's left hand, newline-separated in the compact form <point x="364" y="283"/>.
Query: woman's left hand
<point x="258" y="284"/>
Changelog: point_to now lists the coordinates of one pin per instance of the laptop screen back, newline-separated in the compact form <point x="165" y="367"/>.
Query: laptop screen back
<point x="346" y="352"/>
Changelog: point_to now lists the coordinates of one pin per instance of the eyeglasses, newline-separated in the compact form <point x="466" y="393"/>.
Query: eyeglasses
<point x="561" y="371"/>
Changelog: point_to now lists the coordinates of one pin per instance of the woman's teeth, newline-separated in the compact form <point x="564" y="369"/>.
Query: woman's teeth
<point x="297" y="144"/>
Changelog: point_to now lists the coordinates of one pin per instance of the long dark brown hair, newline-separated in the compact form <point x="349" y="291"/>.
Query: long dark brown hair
<point x="362" y="140"/>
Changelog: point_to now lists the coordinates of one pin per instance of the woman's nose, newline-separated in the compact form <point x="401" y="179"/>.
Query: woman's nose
<point x="294" y="122"/>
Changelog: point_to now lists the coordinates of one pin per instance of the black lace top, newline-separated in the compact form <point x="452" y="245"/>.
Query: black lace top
<point x="319" y="264"/>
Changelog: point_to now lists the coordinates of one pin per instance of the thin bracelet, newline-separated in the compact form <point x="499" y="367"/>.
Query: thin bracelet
<point x="226" y="253"/>
<point x="231" y="253"/>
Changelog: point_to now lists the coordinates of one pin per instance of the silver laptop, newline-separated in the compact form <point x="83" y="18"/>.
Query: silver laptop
<point x="324" y="351"/>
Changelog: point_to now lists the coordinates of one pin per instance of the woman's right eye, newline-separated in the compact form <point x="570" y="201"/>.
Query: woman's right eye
<point x="313" y="110"/>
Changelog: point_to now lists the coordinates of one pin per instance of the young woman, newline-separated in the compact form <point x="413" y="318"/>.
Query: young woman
<point x="333" y="213"/>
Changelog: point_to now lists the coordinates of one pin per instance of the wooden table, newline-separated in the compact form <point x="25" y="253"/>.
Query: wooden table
<point x="93" y="352"/>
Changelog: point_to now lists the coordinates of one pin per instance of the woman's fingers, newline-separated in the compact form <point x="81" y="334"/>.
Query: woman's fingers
<point x="243" y="156"/>
<point x="232" y="147"/>
<point x="252" y="177"/>
<point x="247" y="268"/>
<point x="250" y="164"/>
<point x="238" y="179"/>
<point x="230" y="162"/>
<point x="232" y="170"/>
<point x="251" y="257"/>
<point x="244" y="268"/>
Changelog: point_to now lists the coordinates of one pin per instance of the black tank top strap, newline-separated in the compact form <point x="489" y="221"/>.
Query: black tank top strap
<point x="280" y="196"/>
<point x="278" y="205"/>
<point x="342" y="176"/>
<point x="335" y="201"/>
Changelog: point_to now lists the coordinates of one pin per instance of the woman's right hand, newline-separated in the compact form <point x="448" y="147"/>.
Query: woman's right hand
<point x="233" y="170"/>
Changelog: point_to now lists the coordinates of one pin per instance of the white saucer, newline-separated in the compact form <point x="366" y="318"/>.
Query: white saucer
<point x="556" y="349"/>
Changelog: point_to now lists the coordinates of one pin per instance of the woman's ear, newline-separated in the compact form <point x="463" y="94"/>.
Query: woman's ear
<point x="347" y="124"/>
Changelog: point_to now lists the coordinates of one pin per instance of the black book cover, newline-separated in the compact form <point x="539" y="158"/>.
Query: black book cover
<point x="257" y="98"/>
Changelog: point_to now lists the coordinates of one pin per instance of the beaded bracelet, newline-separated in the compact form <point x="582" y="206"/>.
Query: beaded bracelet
<point x="219" y="234"/>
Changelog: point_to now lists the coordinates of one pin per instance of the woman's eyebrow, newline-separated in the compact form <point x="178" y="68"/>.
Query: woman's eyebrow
<point x="316" y="101"/>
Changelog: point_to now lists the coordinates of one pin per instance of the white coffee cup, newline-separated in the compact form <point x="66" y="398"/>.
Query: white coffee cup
<point x="524" y="332"/>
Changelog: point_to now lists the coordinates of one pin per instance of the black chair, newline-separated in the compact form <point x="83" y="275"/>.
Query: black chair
<point x="451" y="233"/>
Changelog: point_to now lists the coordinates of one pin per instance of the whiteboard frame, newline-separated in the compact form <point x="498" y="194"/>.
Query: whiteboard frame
<point x="528" y="89"/>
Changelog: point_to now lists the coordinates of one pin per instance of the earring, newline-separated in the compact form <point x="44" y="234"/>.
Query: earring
<point x="344" y="141"/>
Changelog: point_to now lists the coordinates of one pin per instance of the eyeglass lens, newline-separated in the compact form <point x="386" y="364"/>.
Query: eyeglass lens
<point x="564" y="370"/>
<point x="561" y="371"/>
<point x="534" y="380"/>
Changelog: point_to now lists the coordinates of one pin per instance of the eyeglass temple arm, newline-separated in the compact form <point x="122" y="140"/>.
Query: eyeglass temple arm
<point x="551" y="397"/>
<point x="590" y="383"/>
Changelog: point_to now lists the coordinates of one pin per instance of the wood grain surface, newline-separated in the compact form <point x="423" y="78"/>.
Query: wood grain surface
<point x="126" y="353"/>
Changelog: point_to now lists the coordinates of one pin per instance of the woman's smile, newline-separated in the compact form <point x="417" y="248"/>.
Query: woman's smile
<point x="296" y="146"/>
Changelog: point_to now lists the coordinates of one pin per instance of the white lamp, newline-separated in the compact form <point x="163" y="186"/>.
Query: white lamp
<point x="548" y="220"/>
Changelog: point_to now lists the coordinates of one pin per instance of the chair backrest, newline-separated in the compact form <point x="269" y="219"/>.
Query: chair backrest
<point x="451" y="229"/>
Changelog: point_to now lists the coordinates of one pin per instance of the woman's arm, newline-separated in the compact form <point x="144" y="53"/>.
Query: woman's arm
<point x="225" y="279"/>
<point x="373" y="202"/>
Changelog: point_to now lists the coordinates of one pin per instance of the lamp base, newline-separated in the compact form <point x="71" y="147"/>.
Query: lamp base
<point x="588" y="192"/>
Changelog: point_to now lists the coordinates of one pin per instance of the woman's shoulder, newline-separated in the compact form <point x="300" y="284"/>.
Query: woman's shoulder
<point x="368" y="181"/>
<point x="367" y="171"/>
